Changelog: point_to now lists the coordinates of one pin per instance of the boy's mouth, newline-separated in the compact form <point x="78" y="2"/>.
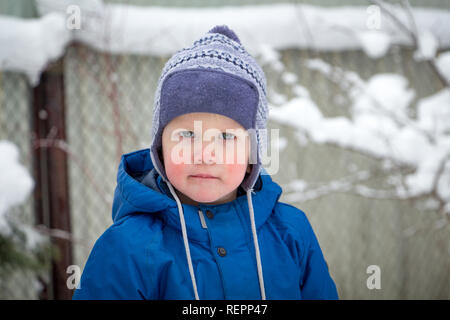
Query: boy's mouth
<point x="203" y="176"/>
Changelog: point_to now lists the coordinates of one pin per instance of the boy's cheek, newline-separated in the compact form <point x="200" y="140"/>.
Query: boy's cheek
<point x="173" y="169"/>
<point x="236" y="171"/>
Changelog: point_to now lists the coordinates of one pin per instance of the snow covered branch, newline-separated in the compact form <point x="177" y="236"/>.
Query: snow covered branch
<point x="424" y="41"/>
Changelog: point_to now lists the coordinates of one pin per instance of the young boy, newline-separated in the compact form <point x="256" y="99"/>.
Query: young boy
<point x="203" y="221"/>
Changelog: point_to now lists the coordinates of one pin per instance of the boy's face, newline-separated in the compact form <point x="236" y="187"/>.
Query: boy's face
<point x="213" y="145"/>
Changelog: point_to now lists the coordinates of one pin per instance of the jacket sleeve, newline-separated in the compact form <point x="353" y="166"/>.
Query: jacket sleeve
<point x="316" y="282"/>
<point x="116" y="269"/>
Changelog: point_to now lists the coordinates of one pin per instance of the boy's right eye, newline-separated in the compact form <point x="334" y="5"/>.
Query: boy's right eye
<point x="187" y="134"/>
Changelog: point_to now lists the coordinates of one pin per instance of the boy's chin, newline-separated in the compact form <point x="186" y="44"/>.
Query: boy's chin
<point x="211" y="199"/>
<point x="205" y="199"/>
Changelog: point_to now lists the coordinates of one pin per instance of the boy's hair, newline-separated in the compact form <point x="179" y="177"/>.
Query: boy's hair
<point x="217" y="75"/>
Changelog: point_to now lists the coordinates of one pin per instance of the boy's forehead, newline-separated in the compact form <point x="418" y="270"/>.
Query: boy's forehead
<point x="218" y="120"/>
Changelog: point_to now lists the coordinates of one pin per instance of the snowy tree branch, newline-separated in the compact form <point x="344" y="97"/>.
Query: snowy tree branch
<point x="412" y="34"/>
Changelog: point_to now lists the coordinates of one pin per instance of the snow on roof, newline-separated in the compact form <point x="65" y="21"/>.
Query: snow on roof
<point x="160" y="31"/>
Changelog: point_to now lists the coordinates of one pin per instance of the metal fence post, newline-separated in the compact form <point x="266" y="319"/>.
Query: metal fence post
<point x="52" y="207"/>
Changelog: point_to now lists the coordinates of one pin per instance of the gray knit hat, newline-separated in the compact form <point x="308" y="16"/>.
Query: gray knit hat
<point x="216" y="74"/>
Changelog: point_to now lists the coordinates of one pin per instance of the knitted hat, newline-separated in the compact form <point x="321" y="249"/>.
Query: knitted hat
<point x="217" y="75"/>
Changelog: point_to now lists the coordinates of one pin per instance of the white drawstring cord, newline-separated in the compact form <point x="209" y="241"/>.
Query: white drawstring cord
<point x="255" y="242"/>
<point x="188" y="251"/>
<point x="185" y="240"/>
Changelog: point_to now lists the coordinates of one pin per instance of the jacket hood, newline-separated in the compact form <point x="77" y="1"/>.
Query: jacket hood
<point x="131" y="195"/>
<point x="140" y="189"/>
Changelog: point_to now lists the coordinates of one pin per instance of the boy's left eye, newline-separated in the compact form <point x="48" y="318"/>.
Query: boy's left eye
<point x="228" y="136"/>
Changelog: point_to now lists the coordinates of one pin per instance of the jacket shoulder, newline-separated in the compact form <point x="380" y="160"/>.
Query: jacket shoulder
<point x="289" y="208"/>
<point x="292" y="216"/>
<point x="118" y="259"/>
<point x="135" y="227"/>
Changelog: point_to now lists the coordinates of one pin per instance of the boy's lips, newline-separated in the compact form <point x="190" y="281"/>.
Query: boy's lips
<point x="203" y="176"/>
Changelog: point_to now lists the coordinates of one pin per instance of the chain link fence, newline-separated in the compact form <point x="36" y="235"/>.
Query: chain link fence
<point x="15" y="126"/>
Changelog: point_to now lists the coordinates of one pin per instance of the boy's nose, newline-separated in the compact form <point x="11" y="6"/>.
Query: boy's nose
<point x="204" y="154"/>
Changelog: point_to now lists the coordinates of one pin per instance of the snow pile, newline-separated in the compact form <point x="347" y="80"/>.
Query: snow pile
<point x="427" y="45"/>
<point x="16" y="183"/>
<point x="382" y="126"/>
<point x="28" y="45"/>
<point x="374" y="43"/>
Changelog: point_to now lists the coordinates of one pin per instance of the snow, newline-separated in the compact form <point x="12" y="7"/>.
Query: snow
<point x="33" y="237"/>
<point x="443" y="64"/>
<point x="444" y="185"/>
<point x="374" y="43"/>
<point x="299" y="112"/>
<point x="387" y="93"/>
<point x="319" y="65"/>
<point x="277" y="98"/>
<point x="28" y="45"/>
<point x="427" y="46"/>
<point x="16" y="183"/>
<point x="434" y="113"/>
<point x="289" y="78"/>
<point x="161" y="31"/>
<point x="269" y="56"/>
<point x="300" y="90"/>
<point x="282" y="143"/>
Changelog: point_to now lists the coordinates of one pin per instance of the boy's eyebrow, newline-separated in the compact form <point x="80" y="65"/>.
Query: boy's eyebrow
<point x="191" y="128"/>
<point x="190" y="125"/>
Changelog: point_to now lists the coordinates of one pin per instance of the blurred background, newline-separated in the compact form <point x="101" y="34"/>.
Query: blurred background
<point x="359" y="91"/>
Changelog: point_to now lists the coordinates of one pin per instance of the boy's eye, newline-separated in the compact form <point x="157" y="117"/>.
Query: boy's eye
<point x="228" y="136"/>
<point x="187" y="134"/>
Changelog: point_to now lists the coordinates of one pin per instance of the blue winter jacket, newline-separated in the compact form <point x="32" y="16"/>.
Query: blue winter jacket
<point x="142" y="255"/>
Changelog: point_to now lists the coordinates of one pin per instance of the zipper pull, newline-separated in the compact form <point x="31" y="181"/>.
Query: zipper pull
<point x="202" y="219"/>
